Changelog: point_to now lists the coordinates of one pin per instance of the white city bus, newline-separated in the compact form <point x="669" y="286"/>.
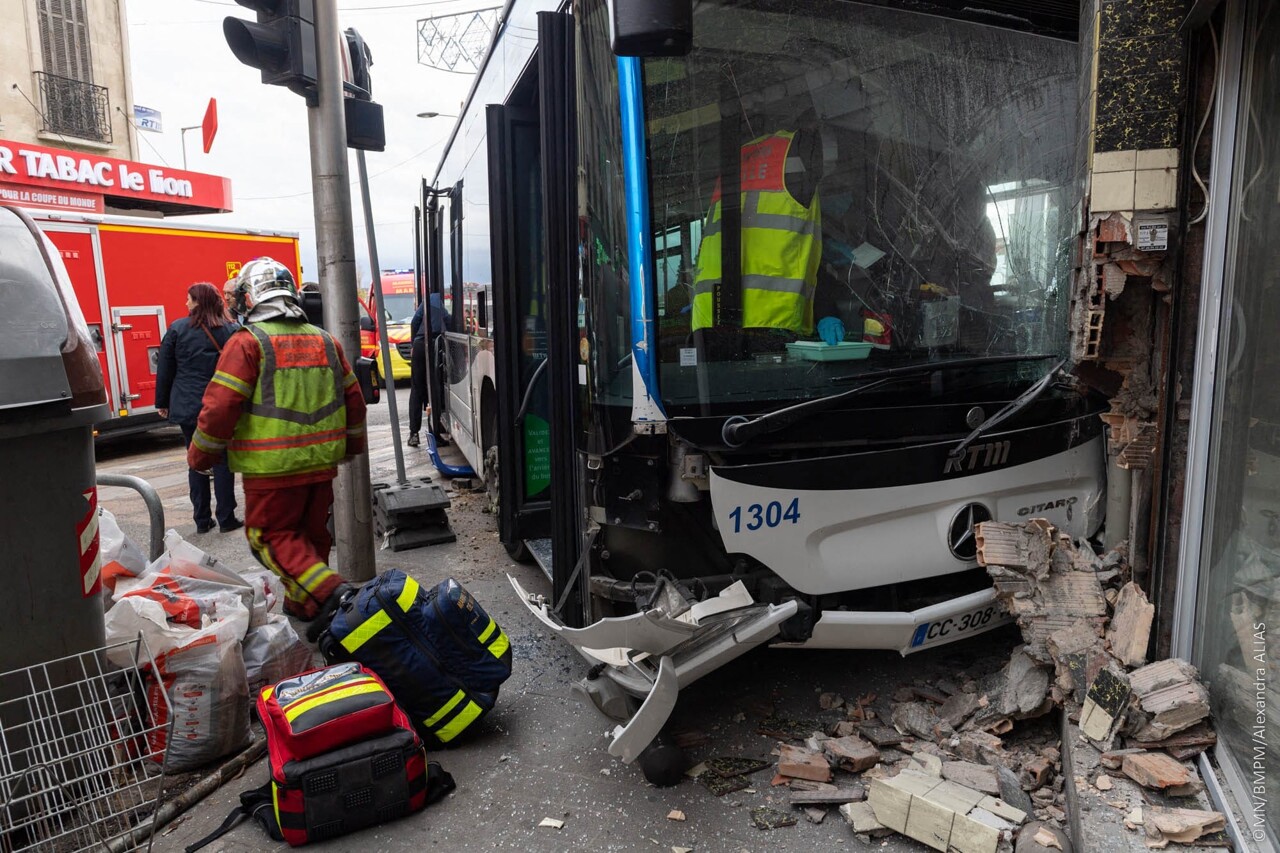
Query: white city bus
<point x="695" y="489"/>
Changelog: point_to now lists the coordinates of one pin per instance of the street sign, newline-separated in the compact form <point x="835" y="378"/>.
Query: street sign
<point x="146" y="118"/>
<point x="209" y="126"/>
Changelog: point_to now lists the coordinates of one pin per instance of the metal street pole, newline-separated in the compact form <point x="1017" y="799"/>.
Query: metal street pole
<point x="381" y="303"/>
<point x="336" y="254"/>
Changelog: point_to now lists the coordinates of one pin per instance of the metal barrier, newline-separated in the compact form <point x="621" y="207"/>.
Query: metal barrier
<point x="151" y="498"/>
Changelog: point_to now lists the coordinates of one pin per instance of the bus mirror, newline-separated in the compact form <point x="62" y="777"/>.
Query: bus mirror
<point x="364" y="368"/>
<point x="652" y="27"/>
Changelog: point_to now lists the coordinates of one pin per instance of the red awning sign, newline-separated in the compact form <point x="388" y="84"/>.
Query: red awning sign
<point x="59" y="169"/>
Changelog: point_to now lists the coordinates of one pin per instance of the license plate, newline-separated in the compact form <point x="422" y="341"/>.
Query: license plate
<point x="954" y="627"/>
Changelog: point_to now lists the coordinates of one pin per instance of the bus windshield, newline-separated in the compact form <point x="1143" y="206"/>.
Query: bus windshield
<point x="839" y="187"/>
<point x="399" y="307"/>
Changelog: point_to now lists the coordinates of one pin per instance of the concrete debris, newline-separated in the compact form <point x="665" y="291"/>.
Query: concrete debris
<point x="675" y="814"/>
<point x="813" y="814"/>
<point x="958" y="708"/>
<point x="1171" y="697"/>
<point x="881" y="736"/>
<point x="1105" y="705"/>
<point x="803" y="764"/>
<point x="830" y="701"/>
<point x="1017" y="692"/>
<point x="978" y="776"/>
<point x="1130" y="628"/>
<point x="1103" y="783"/>
<point x="927" y="763"/>
<point x="852" y="753"/>
<point x="764" y="817"/>
<point x="861" y="817"/>
<point x="551" y="823"/>
<point x="834" y="797"/>
<point x="1036" y="773"/>
<point x="1185" y="744"/>
<point x="941" y="814"/>
<point x="1039" y="837"/>
<point x="914" y="718"/>
<point x="1157" y="770"/>
<point x="1114" y="759"/>
<point x="1183" y="826"/>
<point x="981" y="748"/>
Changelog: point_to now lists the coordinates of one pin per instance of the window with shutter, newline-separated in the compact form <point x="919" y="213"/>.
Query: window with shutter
<point x="64" y="39"/>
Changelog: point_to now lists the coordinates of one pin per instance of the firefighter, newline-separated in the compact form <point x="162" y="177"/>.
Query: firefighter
<point x="286" y="409"/>
<point x="780" y="235"/>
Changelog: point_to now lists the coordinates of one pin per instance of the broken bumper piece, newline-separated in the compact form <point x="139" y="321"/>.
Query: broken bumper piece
<point x="652" y="656"/>
<point x="907" y="631"/>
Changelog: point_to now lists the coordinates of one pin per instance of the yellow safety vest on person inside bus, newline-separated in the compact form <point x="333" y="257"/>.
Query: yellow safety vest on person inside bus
<point x="296" y="419"/>
<point x="781" y="246"/>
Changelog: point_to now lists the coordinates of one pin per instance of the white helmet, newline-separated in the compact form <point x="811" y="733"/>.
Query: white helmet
<point x="262" y="279"/>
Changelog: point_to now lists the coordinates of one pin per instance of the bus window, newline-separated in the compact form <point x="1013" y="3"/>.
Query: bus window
<point x="603" y="250"/>
<point x="904" y="175"/>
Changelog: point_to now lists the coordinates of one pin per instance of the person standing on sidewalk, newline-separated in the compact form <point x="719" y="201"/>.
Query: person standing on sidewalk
<point x="285" y="409"/>
<point x="188" y="356"/>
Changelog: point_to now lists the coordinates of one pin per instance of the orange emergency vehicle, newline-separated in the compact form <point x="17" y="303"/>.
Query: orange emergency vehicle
<point x="131" y="272"/>
<point x="400" y="300"/>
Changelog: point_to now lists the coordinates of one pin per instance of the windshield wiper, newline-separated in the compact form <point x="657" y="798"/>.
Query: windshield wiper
<point x="1025" y="399"/>
<point x="738" y="430"/>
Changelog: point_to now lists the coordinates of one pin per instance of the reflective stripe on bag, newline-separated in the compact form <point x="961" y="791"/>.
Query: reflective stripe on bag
<point x="369" y="628"/>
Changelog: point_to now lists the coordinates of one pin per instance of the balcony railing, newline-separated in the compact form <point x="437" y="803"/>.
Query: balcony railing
<point x="74" y="108"/>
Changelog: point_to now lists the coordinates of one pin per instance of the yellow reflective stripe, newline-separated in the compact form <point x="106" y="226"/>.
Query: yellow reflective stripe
<point x="314" y="577"/>
<point x="408" y="594"/>
<point x="207" y="443"/>
<point x="489" y="629"/>
<point x="443" y="712"/>
<point x="465" y="718"/>
<point x="366" y="631"/>
<point x="500" y="645"/>
<point x="235" y="383"/>
<point x="348" y="380"/>
<point x="268" y="691"/>
<point x="297" y="709"/>
<point x="275" y="800"/>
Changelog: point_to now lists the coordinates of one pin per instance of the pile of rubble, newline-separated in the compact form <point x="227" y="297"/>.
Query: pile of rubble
<point x="953" y="765"/>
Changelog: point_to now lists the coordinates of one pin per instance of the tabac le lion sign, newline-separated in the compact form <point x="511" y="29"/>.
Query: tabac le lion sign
<point x="116" y="180"/>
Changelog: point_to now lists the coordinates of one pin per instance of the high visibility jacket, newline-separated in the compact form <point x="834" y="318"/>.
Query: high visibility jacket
<point x="781" y="246"/>
<point x="296" y="419"/>
<point x="283" y="405"/>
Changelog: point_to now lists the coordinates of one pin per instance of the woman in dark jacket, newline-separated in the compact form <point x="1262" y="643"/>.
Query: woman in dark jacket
<point x="188" y="357"/>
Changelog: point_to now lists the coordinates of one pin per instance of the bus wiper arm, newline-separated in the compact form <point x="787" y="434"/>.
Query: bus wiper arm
<point x="738" y="430"/>
<point x="1024" y="399"/>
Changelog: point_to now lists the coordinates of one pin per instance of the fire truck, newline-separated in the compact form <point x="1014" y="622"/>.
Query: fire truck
<point x="131" y="276"/>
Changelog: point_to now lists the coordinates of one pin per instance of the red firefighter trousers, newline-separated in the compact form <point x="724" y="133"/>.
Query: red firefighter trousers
<point x="287" y="527"/>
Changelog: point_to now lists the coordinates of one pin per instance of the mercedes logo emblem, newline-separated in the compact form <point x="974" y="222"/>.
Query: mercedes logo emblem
<point x="961" y="538"/>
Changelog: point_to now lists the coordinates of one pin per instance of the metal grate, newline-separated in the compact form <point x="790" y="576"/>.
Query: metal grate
<point x="77" y="769"/>
<point x="73" y="108"/>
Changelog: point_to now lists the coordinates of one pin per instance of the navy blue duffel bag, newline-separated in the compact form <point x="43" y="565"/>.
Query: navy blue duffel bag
<point x="440" y="653"/>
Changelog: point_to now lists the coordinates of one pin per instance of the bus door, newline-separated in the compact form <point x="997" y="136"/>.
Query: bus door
<point x="520" y="328"/>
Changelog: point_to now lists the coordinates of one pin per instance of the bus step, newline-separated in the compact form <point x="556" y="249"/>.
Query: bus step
<point x="541" y="551"/>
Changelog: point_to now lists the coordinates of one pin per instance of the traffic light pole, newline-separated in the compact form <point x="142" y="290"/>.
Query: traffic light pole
<point x="336" y="254"/>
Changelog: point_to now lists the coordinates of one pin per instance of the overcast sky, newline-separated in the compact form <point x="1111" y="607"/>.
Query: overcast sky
<point x="180" y="60"/>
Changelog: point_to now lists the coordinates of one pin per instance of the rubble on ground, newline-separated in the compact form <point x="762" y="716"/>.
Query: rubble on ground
<point x="974" y="762"/>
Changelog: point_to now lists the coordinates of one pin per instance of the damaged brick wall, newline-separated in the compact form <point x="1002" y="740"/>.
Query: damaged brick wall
<point x="1122" y="307"/>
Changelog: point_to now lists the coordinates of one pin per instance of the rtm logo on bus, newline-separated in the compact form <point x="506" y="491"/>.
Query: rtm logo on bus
<point x="772" y="514"/>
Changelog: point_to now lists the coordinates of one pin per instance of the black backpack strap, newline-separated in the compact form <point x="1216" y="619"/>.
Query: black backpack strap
<point x="254" y="803"/>
<point x="439" y="782"/>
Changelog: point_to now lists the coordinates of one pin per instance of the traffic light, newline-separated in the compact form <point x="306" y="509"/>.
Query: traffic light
<point x="282" y="44"/>
<point x="366" y="130"/>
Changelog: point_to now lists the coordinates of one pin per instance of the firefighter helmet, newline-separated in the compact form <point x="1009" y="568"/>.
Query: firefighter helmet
<point x="262" y="279"/>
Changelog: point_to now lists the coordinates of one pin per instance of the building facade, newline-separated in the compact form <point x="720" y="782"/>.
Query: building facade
<point x="65" y="77"/>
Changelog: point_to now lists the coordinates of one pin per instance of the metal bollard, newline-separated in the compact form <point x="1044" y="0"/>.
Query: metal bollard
<point x="155" y="509"/>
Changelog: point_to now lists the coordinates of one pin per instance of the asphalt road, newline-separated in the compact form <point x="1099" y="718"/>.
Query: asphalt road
<point x="542" y="753"/>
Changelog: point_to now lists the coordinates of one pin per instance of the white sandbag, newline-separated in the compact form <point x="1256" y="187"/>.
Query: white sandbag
<point x="201" y="671"/>
<point x="273" y="652"/>
<point x="182" y="559"/>
<point x="121" y="556"/>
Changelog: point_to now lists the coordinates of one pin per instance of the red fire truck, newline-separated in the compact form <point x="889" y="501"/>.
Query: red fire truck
<point x="131" y="278"/>
<point x="131" y="273"/>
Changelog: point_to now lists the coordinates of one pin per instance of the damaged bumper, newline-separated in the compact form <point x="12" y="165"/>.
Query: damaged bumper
<point x="651" y="655"/>
<point x="907" y="631"/>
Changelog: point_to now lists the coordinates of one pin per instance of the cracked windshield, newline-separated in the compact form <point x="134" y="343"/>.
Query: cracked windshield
<point x="840" y="188"/>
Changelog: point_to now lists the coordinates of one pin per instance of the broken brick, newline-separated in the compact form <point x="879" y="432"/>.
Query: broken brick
<point x="803" y="764"/>
<point x="852" y="753"/>
<point x="1156" y="770"/>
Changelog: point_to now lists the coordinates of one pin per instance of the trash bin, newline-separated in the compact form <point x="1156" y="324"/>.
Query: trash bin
<point x="51" y="394"/>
